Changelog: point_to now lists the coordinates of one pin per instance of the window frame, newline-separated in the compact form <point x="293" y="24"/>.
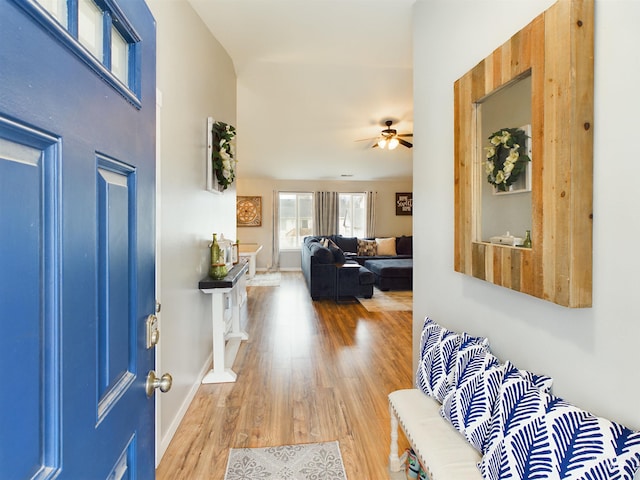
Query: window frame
<point x="298" y="195"/>
<point x="351" y="209"/>
<point x="67" y="35"/>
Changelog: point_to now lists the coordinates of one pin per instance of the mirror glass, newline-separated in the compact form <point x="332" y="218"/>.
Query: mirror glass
<point x="505" y="209"/>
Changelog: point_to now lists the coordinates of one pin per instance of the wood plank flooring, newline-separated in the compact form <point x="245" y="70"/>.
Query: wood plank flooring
<point x="310" y="372"/>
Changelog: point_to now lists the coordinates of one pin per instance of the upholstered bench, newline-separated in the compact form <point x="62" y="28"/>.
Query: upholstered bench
<point x="441" y="450"/>
<point x="392" y="273"/>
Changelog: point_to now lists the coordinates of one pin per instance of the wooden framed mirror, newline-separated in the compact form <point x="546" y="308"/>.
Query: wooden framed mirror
<point x="556" y="52"/>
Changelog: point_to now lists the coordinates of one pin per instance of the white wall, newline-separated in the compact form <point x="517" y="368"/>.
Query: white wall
<point x="387" y="223"/>
<point x="592" y="353"/>
<point x="197" y="79"/>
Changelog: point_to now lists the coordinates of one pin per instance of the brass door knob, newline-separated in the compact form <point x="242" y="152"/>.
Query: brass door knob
<point x="163" y="383"/>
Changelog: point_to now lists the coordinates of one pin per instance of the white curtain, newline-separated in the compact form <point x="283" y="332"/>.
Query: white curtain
<point x="275" y="233"/>
<point x="325" y="218"/>
<point x="371" y="214"/>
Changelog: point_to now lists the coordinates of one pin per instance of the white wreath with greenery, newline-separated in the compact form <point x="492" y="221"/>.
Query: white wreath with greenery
<point x="223" y="153"/>
<point x="506" y="157"/>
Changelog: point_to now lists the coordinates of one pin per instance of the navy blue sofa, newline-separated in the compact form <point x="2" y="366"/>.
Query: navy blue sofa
<point x="387" y="272"/>
<point x="319" y="267"/>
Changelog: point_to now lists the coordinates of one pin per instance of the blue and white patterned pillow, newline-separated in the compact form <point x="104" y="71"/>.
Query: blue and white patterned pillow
<point x="543" y="382"/>
<point x="469" y="405"/>
<point x="431" y="333"/>
<point x="536" y="435"/>
<point x="438" y="353"/>
<point x="470" y="356"/>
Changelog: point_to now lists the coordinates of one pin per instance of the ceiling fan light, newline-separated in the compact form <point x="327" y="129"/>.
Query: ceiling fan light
<point x="382" y="143"/>
<point x="393" y="143"/>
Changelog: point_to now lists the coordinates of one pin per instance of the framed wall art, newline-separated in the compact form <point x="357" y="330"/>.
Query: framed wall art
<point x="404" y="203"/>
<point x="249" y="211"/>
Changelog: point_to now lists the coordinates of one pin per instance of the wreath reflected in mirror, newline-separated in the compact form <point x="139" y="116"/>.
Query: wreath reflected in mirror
<point x="506" y="157"/>
<point x="223" y="153"/>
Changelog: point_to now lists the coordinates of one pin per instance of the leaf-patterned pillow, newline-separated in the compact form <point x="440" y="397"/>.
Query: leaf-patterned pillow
<point x="469" y="405"/>
<point x="536" y="435"/>
<point x="438" y="349"/>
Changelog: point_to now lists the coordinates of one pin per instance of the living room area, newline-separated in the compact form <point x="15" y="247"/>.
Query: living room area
<point x="333" y="157"/>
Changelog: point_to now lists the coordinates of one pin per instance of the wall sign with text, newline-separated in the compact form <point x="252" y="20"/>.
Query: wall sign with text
<point x="404" y="203"/>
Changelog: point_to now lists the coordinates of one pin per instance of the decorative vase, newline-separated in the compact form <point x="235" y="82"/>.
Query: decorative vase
<point x="218" y="268"/>
<point x="527" y="239"/>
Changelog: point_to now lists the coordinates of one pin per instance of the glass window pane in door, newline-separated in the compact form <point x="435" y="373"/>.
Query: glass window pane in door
<point x="58" y="9"/>
<point x="119" y="56"/>
<point x="90" y="27"/>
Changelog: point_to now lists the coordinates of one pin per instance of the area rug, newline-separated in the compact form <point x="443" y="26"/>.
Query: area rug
<point x="392" y="300"/>
<point x="268" y="279"/>
<point x="311" y="461"/>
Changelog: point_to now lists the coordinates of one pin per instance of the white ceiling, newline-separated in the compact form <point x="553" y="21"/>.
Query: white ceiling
<point x="314" y="76"/>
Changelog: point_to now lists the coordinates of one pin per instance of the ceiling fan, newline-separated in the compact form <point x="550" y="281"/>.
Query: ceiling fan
<point x="390" y="138"/>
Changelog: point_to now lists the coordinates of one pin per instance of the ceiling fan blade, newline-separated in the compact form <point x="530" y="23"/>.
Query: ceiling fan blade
<point x="405" y="135"/>
<point x="405" y="143"/>
<point x="366" y="139"/>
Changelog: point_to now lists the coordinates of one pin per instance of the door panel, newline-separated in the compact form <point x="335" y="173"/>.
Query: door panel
<point x="77" y="176"/>
<point x="116" y="262"/>
<point x="28" y="257"/>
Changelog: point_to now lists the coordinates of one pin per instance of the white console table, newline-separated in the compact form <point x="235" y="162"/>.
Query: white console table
<point x="228" y="296"/>
<point x="249" y="251"/>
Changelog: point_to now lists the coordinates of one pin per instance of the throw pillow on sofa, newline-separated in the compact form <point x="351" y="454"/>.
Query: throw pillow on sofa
<point x="534" y="434"/>
<point x="346" y="244"/>
<point x="367" y="248"/>
<point x="320" y="253"/>
<point x="336" y="251"/>
<point x="386" y="246"/>
<point x="404" y="245"/>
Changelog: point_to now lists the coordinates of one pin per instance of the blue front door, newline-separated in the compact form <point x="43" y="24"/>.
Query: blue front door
<point x="77" y="209"/>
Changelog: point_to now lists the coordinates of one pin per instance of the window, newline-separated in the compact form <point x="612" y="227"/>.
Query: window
<point x="119" y="56"/>
<point x="352" y="214"/>
<point x="296" y="219"/>
<point x="99" y="33"/>
<point x="57" y="8"/>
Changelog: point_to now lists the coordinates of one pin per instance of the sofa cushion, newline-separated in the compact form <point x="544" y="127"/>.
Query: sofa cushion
<point x="391" y="267"/>
<point x="336" y="251"/>
<point x="536" y="435"/>
<point x="365" y="276"/>
<point x="386" y="246"/>
<point x="311" y="239"/>
<point x="321" y="254"/>
<point x="366" y="248"/>
<point x="347" y="244"/>
<point x="404" y="245"/>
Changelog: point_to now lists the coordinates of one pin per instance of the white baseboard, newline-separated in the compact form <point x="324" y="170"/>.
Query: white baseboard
<point x="173" y="428"/>
<point x="281" y="269"/>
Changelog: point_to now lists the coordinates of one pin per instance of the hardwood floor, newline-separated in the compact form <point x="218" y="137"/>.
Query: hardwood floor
<point x="310" y="372"/>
